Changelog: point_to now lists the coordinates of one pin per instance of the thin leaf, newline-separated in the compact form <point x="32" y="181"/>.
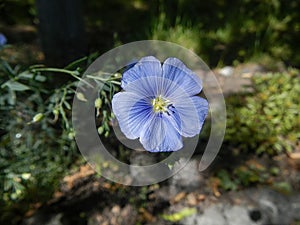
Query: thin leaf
<point x="15" y="86"/>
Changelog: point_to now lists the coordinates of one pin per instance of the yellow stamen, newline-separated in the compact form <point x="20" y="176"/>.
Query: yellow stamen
<point x="160" y="104"/>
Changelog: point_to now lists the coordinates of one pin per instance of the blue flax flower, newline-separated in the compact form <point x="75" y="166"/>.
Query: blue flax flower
<point x="158" y="104"/>
<point x="3" y="40"/>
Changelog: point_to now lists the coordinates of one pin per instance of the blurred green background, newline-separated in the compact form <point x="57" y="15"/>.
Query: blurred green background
<point x="51" y="43"/>
<point x="222" y="32"/>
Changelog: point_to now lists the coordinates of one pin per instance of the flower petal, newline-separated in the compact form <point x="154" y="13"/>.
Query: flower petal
<point x="192" y="112"/>
<point x="147" y="66"/>
<point x="152" y="86"/>
<point x="201" y="105"/>
<point x="175" y="70"/>
<point x="160" y="135"/>
<point x="147" y="87"/>
<point x="132" y="113"/>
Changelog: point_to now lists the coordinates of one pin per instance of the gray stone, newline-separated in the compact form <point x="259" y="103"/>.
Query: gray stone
<point x="226" y="71"/>
<point x="55" y="220"/>
<point x="255" y="207"/>
<point x="144" y="174"/>
<point x="273" y="205"/>
<point x="188" y="179"/>
<point x="141" y="174"/>
<point x="295" y="205"/>
<point x="41" y="219"/>
<point x="222" y="214"/>
<point x="250" y="68"/>
<point x="237" y="215"/>
<point x="211" y="216"/>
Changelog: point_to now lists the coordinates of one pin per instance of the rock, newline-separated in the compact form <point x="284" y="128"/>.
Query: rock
<point x="55" y="219"/>
<point x="141" y="158"/>
<point x="236" y="215"/>
<point x="187" y="179"/>
<point x="142" y="174"/>
<point x="249" y="69"/>
<point x="226" y="71"/>
<point x="223" y="214"/>
<point x="250" y="207"/>
<point x="295" y="205"/>
<point x="211" y="216"/>
<point x="275" y="205"/>
<point x="235" y="84"/>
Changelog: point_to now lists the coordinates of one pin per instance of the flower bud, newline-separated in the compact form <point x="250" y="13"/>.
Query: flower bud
<point x="98" y="103"/>
<point x="81" y="97"/>
<point x="25" y="176"/>
<point x="100" y="130"/>
<point x="38" y="117"/>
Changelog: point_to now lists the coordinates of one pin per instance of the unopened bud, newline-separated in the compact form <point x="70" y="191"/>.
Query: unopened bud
<point x="38" y="117"/>
<point x="81" y="97"/>
<point x="98" y="103"/>
<point x="100" y="130"/>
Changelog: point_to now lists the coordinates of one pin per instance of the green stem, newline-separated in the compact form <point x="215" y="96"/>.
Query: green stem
<point x="111" y="80"/>
<point x="57" y="70"/>
<point x="72" y="73"/>
<point x="61" y="109"/>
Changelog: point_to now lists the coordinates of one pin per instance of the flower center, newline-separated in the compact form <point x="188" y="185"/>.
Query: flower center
<point x="162" y="105"/>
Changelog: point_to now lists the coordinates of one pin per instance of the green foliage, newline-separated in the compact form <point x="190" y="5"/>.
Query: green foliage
<point x="267" y="120"/>
<point x="251" y="174"/>
<point x="184" y="35"/>
<point x="284" y="187"/>
<point x="244" y="175"/>
<point x="103" y="106"/>
<point x="220" y="31"/>
<point x="37" y="139"/>
<point x="226" y="182"/>
<point x="37" y="146"/>
<point x="227" y="31"/>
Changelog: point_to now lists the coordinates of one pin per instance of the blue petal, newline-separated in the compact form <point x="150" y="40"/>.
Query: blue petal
<point x="147" y="66"/>
<point x="152" y="86"/>
<point x="160" y="135"/>
<point x="3" y="39"/>
<point x="147" y="87"/>
<point x="130" y="65"/>
<point x="202" y="107"/>
<point x="192" y="112"/>
<point x="132" y="113"/>
<point x="175" y="70"/>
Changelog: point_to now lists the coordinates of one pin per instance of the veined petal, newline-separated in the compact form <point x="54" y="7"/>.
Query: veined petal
<point x="153" y="86"/>
<point x="175" y="70"/>
<point x="172" y="140"/>
<point x="158" y="105"/>
<point x="192" y="112"/>
<point x="201" y="105"/>
<point x="147" y="66"/>
<point x="148" y="87"/>
<point x="160" y="135"/>
<point x="132" y="113"/>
